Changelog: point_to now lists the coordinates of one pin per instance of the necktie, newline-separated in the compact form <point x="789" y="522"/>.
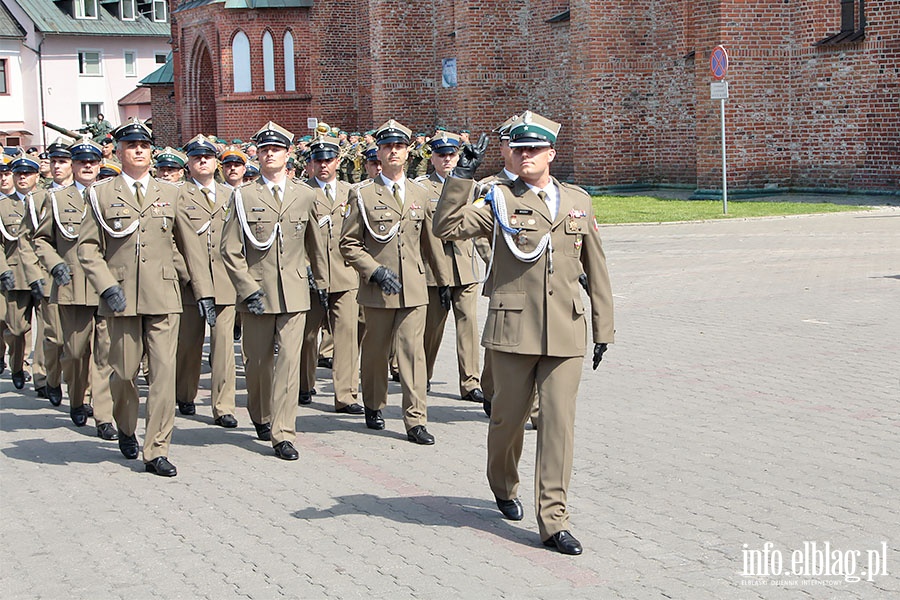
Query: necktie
<point x="138" y="194"/>
<point x="328" y="193"/>
<point x="276" y="191"/>
<point x="543" y="196"/>
<point x="208" y="194"/>
<point x="397" y="194"/>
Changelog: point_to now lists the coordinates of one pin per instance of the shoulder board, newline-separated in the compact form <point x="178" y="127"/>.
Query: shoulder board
<point x="303" y="183"/>
<point x="362" y="184"/>
<point x="102" y="182"/>
<point x="420" y="178"/>
<point x="418" y="183"/>
<point x="570" y="186"/>
<point x="246" y="183"/>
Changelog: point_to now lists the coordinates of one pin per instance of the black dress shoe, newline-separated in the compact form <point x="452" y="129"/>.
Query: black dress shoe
<point x="161" y="466"/>
<point x="187" y="408"/>
<point x="263" y="431"/>
<point x="89" y="410"/>
<point x="286" y="451"/>
<point x="326" y="362"/>
<point x="128" y="444"/>
<point x="18" y="379"/>
<point x="565" y="542"/>
<point x="41" y="391"/>
<point x="475" y="395"/>
<point x="305" y="398"/>
<point x="226" y="421"/>
<point x="420" y="435"/>
<point x="395" y="376"/>
<point x="511" y="509"/>
<point x="79" y="415"/>
<point x="486" y="406"/>
<point x="428" y="387"/>
<point x="237" y="332"/>
<point x="351" y="409"/>
<point x="107" y="432"/>
<point x="374" y="420"/>
<point x="54" y="394"/>
<point x="2" y="365"/>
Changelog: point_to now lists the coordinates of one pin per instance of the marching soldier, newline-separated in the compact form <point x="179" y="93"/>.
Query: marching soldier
<point x="48" y="328"/>
<point x="342" y="281"/>
<point x="205" y="202"/>
<point x="234" y="165"/>
<point x="6" y="187"/>
<point x="535" y="324"/>
<point x="85" y="360"/>
<point x="127" y="247"/>
<point x="460" y="290"/>
<point x="21" y="298"/>
<point x="384" y="239"/>
<point x="269" y="234"/>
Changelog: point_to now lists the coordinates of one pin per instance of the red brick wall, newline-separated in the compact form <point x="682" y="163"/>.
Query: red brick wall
<point x="629" y="82"/>
<point x="165" y="122"/>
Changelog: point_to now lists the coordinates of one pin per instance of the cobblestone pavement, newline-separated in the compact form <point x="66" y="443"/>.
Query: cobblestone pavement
<point x="751" y="398"/>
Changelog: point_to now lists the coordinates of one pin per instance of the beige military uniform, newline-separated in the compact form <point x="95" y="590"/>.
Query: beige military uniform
<point x="403" y="246"/>
<point x="85" y="360"/>
<point x="536" y="327"/>
<point x="208" y="224"/>
<point x="131" y="245"/>
<point x="265" y="246"/>
<point x="459" y="267"/>
<point x="19" y="301"/>
<point x="49" y="341"/>
<point x="342" y="282"/>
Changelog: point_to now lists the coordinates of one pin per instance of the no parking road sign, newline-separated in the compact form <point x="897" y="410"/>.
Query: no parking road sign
<point x="718" y="63"/>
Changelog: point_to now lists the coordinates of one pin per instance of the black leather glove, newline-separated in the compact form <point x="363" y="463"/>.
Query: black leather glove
<point x="115" y="298"/>
<point x="599" y="349"/>
<point x="446" y="296"/>
<point x="387" y="279"/>
<point x="62" y="275"/>
<point x="37" y="290"/>
<point x="255" y="303"/>
<point x="470" y="158"/>
<point x="582" y="279"/>
<point x="207" y="308"/>
<point x="7" y="281"/>
<point x="310" y="279"/>
<point x="323" y="299"/>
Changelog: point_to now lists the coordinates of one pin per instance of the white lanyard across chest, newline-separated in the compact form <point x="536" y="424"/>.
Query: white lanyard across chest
<point x="245" y="227"/>
<point x="59" y="225"/>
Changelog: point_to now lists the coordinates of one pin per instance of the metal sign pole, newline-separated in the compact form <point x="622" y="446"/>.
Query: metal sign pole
<point x="724" y="168"/>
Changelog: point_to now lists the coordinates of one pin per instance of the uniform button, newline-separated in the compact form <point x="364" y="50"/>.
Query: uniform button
<point x="550" y="292"/>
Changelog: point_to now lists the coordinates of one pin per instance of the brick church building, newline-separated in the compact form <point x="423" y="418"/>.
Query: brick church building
<point x="814" y="84"/>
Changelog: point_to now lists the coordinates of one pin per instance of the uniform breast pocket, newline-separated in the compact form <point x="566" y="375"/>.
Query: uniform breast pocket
<point x="118" y="217"/>
<point x="503" y="326"/>
<point x="382" y="222"/>
<point x="262" y="228"/>
<point x="576" y="229"/>
<point x="70" y="225"/>
<point x="297" y="226"/>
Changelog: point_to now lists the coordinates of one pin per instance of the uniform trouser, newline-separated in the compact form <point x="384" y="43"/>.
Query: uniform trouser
<point x="48" y="345"/>
<point x="464" y="304"/>
<point x="556" y="379"/>
<point x="273" y="382"/>
<point x="487" y="385"/>
<point x="406" y="326"/>
<point x="189" y="357"/>
<point x="343" y="319"/>
<point x="85" y="360"/>
<point x="129" y="339"/>
<point x="19" y="306"/>
<point x="3" y="329"/>
<point x="326" y="346"/>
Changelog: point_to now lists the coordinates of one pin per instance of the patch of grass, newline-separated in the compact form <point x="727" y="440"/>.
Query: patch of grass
<point x="644" y="209"/>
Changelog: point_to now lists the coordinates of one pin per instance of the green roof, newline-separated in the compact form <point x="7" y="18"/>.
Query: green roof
<point x="247" y="4"/>
<point x="9" y="27"/>
<point x="165" y="75"/>
<point x="50" y="19"/>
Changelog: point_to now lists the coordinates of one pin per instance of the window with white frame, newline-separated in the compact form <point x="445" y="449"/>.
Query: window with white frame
<point x="268" y="62"/>
<point x="86" y="9"/>
<point x="240" y="62"/>
<point x="4" y="77"/>
<point x="290" y="84"/>
<point x="130" y="63"/>
<point x="160" y="58"/>
<point x="160" y="11"/>
<point x="89" y="63"/>
<point x="90" y="110"/>
<point x="128" y="10"/>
